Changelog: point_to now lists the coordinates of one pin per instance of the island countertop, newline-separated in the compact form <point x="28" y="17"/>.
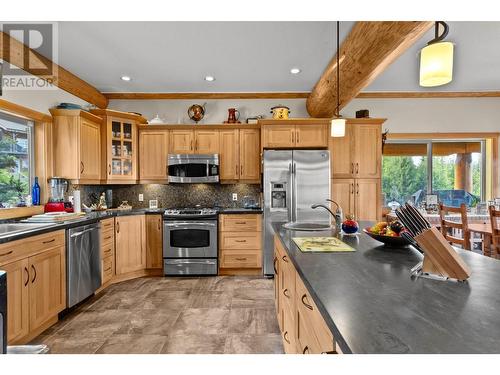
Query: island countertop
<point x="372" y="305"/>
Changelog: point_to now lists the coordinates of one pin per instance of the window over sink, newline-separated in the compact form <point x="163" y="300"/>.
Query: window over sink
<point x="16" y="160"/>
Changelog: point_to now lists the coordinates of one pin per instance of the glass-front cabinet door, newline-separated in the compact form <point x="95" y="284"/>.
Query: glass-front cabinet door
<point x="122" y="149"/>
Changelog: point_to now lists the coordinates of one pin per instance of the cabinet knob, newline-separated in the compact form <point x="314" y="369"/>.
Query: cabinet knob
<point x="303" y="299"/>
<point x="27" y="276"/>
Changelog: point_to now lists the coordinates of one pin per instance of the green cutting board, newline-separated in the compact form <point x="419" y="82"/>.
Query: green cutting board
<point x="321" y="245"/>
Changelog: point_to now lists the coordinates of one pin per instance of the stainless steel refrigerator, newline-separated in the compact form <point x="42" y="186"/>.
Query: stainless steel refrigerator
<point x="293" y="181"/>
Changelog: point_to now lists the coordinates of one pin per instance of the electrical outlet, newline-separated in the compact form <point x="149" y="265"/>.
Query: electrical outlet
<point x="141" y="197"/>
<point x="235" y="197"/>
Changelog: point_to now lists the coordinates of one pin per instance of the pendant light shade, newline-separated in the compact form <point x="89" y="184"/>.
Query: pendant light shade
<point x="436" y="59"/>
<point x="338" y="127"/>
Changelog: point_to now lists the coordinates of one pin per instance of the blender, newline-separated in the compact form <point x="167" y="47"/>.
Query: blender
<point x="57" y="187"/>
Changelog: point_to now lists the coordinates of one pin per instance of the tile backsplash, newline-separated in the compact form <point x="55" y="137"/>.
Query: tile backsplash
<point x="171" y="195"/>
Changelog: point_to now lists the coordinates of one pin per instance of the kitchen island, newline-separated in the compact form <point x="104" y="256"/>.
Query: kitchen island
<point x="370" y="303"/>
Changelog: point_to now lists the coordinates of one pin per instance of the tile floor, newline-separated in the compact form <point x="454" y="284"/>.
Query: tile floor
<point x="221" y="314"/>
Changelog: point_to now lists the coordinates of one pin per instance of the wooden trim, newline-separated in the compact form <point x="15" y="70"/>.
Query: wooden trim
<point x="203" y="95"/>
<point x="427" y="94"/>
<point x="196" y="127"/>
<point x="16" y="212"/>
<point x="27" y="113"/>
<point x="62" y="78"/>
<point x="367" y="51"/>
<point x="76" y="113"/>
<point x="122" y="115"/>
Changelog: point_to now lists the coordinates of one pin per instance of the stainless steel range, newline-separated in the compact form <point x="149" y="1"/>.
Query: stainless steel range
<point x="190" y="242"/>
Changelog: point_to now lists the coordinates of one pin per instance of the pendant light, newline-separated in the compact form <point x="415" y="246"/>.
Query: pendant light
<point x="338" y="123"/>
<point x="436" y="59"/>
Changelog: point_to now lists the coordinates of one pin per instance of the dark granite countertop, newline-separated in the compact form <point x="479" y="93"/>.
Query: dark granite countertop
<point x="371" y="304"/>
<point x="240" y="210"/>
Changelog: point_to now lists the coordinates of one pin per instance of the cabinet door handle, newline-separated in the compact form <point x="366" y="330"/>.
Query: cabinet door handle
<point x="82" y="167"/>
<point x="285" y="258"/>
<point x="236" y="170"/>
<point x="274" y="265"/>
<point x="240" y="240"/>
<point x="304" y="298"/>
<point x="159" y="224"/>
<point x="241" y="222"/>
<point x="352" y="168"/>
<point x="241" y="258"/>
<point x="34" y="276"/>
<point x="7" y="253"/>
<point x="196" y="145"/>
<point x="285" y="337"/>
<point x="109" y="168"/>
<point x="306" y="350"/>
<point x="27" y="276"/>
<point x="107" y="238"/>
<point x="357" y="168"/>
<point x="191" y="145"/>
<point x="292" y="137"/>
<point x="285" y="293"/>
<point x="49" y="241"/>
<point x="117" y="227"/>
<point x="298" y="137"/>
<point x="357" y="188"/>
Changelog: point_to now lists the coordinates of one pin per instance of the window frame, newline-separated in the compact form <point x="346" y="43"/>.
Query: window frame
<point x="30" y="124"/>
<point x="429" y="141"/>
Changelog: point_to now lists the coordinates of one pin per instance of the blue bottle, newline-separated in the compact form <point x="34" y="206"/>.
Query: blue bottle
<point x="35" y="193"/>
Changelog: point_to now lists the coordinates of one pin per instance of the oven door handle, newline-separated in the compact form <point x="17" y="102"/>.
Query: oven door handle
<point x="190" y="261"/>
<point x="189" y="224"/>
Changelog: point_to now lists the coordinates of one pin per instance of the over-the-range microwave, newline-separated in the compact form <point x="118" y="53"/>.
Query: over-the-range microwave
<point x="193" y="168"/>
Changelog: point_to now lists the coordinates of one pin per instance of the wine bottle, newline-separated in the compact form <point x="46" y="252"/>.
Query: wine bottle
<point x="35" y="193"/>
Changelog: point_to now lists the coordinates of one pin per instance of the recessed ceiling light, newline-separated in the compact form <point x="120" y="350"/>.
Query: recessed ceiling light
<point x="126" y="78"/>
<point x="209" y="78"/>
<point x="295" y="70"/>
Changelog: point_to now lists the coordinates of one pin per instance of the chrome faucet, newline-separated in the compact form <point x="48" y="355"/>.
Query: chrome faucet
<point x="338" y="215"/>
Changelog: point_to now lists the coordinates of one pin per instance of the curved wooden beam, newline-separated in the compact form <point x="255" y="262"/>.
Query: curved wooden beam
<point x="369" y="48"/>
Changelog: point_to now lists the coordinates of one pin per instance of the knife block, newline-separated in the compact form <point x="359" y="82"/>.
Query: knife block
<point x="439" y="256"/>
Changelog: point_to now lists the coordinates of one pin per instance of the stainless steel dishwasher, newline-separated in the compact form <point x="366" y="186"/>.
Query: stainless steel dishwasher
<point x="83" y="262"/>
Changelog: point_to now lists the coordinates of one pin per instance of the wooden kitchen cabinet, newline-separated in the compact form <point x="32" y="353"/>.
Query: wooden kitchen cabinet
<point x="18" y="279"/>
<point x="229" y="155"/>
<point x="47" y="294"/>
<point x="154" y="241"/>
<point x="341" y="155"/>
<point x="249" y="155"/>
<point x="295" y="133"/>
<point x="206" y="141"/>
<point x="368" y="199"/>
<point x="36" y="284"/>
<point x="107" y="251"/>
<point x="119" y="146"/>
<point x="153" y="152"/>
<point x="77" y="145"/>
<point x="181" y="142"/>
<point x="343" y="190"/>
<point x="130" y="240"/>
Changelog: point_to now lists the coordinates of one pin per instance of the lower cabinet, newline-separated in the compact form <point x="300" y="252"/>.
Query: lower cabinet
<point x="107" y="250"/>
<point x="36" y="284"/>
<point x="154" y="241"/>
<point x="240" y="244"/>
<point x="358" y="196"/>
<point x="303" y="329"/>
<point x="130" y="239"/>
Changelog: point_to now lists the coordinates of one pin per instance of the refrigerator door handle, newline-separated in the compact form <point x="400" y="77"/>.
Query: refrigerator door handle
<point x="294" y="190"/>
<point x="289" y="191"/>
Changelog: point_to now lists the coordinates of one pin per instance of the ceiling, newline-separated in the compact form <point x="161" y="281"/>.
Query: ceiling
<point x="251" y="56"/>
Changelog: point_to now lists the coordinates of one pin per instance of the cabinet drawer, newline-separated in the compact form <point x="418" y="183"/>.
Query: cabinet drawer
<point x="107" y="236"/>
<point x="107" y="269"/>
<point x="306" y="340"/>
<point x="241" y="259"/>
<point x="108" y="224"/>
<point x="312" y="320"/>
<point x="19" y="249"/>
<point x="107" y="249"/>
<point x="288" y="330"/>
<point x="240" y="223"/>
<point x="241" y="241"/>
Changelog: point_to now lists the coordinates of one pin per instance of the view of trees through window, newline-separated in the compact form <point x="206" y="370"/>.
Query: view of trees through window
<point x="456" y="172"/>
<point x="15" y="142"/>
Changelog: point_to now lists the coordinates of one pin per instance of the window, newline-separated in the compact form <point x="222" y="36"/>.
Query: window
<point x="455" y="170"/>
<point x="16" y="160"/>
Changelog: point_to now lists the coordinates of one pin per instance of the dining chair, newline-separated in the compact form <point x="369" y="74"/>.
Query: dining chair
<point x="449" y="228"/>
<point x="495" y="231"/>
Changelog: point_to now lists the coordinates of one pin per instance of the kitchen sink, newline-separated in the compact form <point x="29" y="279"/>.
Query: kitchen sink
<point x="307" y="226"/>
<point x="11" y="228"/>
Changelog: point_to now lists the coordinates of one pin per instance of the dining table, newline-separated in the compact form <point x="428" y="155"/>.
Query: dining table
<point x="483" y="229"/>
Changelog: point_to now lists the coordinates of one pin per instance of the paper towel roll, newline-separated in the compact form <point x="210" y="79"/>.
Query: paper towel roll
<point x="77" y="201"/>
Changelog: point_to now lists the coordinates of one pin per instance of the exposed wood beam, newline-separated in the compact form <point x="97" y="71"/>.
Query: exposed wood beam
<point x="25" y="112"/>
<point x="369" y="48"/>
<point x="13" y="51"/>
<point x="427" y="94"/>
<point x="204" y="95"/>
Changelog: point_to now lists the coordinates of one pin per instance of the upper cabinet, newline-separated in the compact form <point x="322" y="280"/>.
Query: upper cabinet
<point x="119" y="151"/>
<point x="295" y="133"/>
<point x="359" y="153"/>
<point x="249" y="155"/>
<point x="77" y="145"/>
<point x="153" y="152"/>
<point x="194" y="141"/>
